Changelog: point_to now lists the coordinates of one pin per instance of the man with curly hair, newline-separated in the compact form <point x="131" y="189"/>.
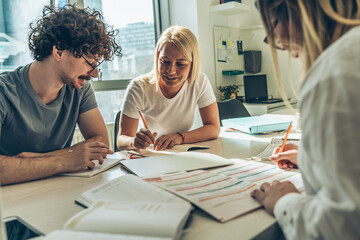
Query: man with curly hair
<point x="41" y="103"/>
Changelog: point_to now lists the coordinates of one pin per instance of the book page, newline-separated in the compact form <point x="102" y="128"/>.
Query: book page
<point x="110" y="161"/>
<point x="126" y="188"/>
<point x="138" y="218"/>
<point x="69" y="234"/>
<point x="148" y="152"/>
<point x="158" y="165"/>
<point x="224" y="193"/>
<point x="268" y="151"/>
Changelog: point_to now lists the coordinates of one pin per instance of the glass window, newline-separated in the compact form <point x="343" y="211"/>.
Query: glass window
<point x="136" y="25"/>
<point x="135" y="22"/>
<point x="15" y="16"/>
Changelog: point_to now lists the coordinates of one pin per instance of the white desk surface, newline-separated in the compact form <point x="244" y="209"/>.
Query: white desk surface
<point x="48" y="203"/>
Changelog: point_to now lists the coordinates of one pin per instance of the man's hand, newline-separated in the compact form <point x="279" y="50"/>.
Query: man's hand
<point x="81" y="155"/>
<point x="268" y="195"/>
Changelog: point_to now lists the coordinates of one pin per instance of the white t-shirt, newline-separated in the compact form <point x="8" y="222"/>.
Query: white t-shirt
<point x="329" y="156"/>
<point x="163" y="115"/>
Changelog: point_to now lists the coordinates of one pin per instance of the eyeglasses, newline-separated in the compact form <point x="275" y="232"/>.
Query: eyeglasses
<point x="91" y="65"/>
<point x="277" y="44"/>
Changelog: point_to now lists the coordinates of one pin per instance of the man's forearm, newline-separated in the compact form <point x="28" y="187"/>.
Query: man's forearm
<point x="21" y="169"/>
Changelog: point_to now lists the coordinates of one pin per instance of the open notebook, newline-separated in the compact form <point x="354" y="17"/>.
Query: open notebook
<point x="110" y="161"/>
<point x="126" y="207"/>
<point x="127" y="220"/>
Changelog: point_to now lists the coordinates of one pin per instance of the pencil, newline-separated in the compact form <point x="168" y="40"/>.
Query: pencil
<point x="143" y="119"/>
<point x="285" y="138"/>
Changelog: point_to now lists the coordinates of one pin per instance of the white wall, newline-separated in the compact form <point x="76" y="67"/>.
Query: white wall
<point x="196" y="15"/>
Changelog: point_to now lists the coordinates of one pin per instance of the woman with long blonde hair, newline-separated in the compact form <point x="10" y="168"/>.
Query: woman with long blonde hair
<point x="326" y="35"/>
<point x="168" y="97"/>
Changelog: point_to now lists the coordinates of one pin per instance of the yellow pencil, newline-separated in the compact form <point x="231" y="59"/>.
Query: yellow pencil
<point x="143" y="119"/>
<point x="285" y="138"/>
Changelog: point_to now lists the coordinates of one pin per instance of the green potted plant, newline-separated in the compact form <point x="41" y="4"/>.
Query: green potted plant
<point x="229" y="92"/>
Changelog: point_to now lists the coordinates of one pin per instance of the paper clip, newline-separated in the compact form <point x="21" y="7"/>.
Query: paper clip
<point x="134" y="156"/>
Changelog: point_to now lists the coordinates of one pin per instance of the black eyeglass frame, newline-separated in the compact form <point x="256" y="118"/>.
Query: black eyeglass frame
<point x="97" y="65"/>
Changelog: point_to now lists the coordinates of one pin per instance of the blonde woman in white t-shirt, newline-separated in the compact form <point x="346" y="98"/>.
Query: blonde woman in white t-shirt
<point x="168" y="97"/>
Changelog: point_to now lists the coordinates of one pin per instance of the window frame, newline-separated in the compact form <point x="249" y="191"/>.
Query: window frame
<point x="161" y="22"/>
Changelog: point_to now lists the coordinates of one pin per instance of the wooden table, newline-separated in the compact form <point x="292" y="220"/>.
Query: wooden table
<point x="48" y="203"/>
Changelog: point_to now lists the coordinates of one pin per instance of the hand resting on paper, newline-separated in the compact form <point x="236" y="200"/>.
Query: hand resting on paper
<point x="268" y="195"/>
<point x="78" y="157"/>
<point x="144" y="138"/>
<point x="287" y="158"/>
<point x="168" y="141"/>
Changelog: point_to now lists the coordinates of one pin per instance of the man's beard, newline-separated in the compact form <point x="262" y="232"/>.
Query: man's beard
<point x="71" y="82"/>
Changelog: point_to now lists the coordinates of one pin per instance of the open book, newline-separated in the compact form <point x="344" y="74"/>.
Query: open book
<point x="128" y="219"/>
<point x="170" y="163"/>
<point x="275" y="142"/>
<point x="110" y="161"/>
<point x="224" y="193"/>
<point x="127" y="188"/>
<point x="148" y="152"/>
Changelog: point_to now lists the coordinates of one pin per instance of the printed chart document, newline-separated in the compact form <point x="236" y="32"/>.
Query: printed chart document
<point x="275" y="142"/>
<point x="124" y="189"/>
<point x="185" y="161"/>
<point x="224" y="193"/>
<point x="110" y="161"/>
<point x="148" y="152"/>
<point x="154" y="219"/>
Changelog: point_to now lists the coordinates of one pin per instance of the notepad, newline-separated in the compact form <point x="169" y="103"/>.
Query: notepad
<point x="185" y="161"/>
<point x="110" y="161"/>
<point x="148" y="152"/>
<point x="256" y="124"/>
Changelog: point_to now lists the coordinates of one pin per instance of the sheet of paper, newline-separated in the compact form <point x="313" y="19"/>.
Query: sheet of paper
<point x="275" y="142"/>
<point x="185" y="161"/>
<point x="222" y="197"/>
<point x="148" y="152"/>
<point x="225" y="192"/>
<point x="126" y="188"/>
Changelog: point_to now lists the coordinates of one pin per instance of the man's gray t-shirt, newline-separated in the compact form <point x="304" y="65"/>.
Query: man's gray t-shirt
<point x="28" y="125"/>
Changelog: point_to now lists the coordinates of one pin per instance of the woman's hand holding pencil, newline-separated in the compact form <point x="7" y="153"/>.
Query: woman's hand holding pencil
<point x="287" y="158"/>
<point x="144" y="138"/>
<point x="286" y="155"/>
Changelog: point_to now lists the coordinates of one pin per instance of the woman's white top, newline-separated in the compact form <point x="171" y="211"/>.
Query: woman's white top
<point x="329" y="156"/>
<point x="164" y="115"/>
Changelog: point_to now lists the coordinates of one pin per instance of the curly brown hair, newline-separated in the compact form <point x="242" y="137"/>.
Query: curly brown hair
<point x="80" y="31"/>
